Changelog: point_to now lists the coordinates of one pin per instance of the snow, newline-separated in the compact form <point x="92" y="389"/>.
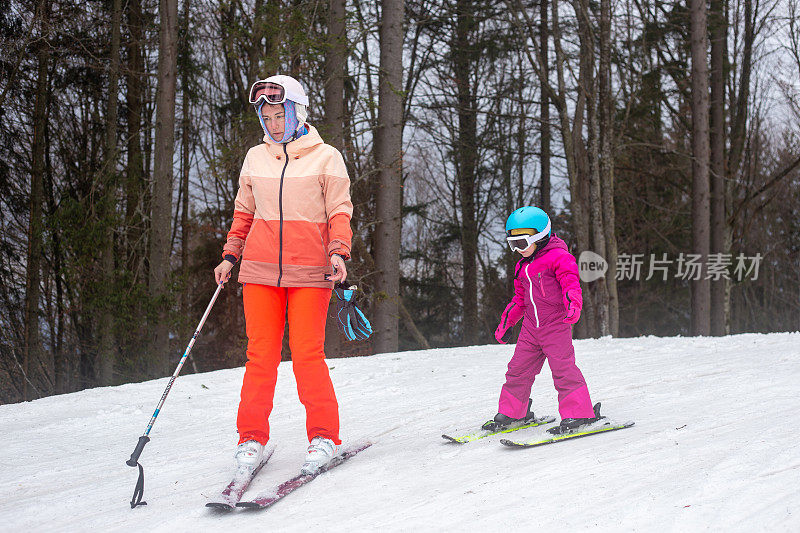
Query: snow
<point x="714" y="447"/>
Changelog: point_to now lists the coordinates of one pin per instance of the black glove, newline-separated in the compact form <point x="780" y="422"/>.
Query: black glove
<point x="352" y="321"/>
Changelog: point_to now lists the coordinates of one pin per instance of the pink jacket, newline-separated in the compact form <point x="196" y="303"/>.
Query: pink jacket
<point x="544" y="286"/>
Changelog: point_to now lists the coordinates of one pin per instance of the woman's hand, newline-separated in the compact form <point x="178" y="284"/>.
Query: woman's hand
<point x="223" y="271"/>
<point x="339" y="270"/>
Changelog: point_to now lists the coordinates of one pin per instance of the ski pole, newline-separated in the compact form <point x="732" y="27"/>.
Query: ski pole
<point x="138" y="492"/>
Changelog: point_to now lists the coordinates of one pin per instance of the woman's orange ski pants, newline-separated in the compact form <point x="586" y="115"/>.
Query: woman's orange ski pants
<point x="265" y="309"/>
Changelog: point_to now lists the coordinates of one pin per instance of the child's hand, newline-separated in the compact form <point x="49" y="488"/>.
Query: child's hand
<point x="510" y="316"/>
<point x="573" y="301"/>
<point x="503" y="335"/>
<point x="573" y="314"/>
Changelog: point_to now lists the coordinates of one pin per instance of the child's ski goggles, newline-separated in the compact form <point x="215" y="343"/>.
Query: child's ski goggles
<point x="274" y="93"/>
<point x="520" y="243"/>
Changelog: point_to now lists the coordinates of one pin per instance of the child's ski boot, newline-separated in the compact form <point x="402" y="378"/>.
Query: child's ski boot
<point x="573" y="425"/>
<point x="501" y="421"/>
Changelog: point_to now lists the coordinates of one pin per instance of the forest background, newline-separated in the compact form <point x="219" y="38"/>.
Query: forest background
<point x="642" y="126"/>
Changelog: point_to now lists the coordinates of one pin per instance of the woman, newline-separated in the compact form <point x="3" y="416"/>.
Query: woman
<point x="291" y="230"/>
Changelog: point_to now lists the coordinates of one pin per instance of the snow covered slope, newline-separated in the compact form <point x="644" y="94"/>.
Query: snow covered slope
<point x="714" y="447"/>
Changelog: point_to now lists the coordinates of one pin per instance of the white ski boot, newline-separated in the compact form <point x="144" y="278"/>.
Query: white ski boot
<point x="321" y="451"/>
<point x="249" y="454"/>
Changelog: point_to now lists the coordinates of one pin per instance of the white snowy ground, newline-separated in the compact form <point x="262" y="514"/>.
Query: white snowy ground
<point x="714" y="447"/>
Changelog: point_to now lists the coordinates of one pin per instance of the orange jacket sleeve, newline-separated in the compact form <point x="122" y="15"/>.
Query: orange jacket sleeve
<point x="244" y="207"/>
<point x="341" y="235"/>
<point x="338" y="206"/>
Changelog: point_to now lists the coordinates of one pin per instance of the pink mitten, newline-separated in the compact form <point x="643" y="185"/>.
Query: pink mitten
<point x="510" y="316"/>
<point x="574" y="306"/>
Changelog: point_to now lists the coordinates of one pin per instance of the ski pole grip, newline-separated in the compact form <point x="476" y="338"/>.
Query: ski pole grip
<point x="134" y="460"/>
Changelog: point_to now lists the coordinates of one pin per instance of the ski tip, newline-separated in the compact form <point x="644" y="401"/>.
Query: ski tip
<point x="448" y="438"/>
<point x="248" y="505"/>
<point x="356" y="447"/>
<point x="511" y="443"/>
<point x="219" y="506"/>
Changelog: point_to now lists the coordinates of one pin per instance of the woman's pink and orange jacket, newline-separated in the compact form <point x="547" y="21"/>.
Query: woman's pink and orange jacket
<point x="292" y="212"/>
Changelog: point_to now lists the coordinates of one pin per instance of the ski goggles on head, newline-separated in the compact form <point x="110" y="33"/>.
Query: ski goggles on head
<point x="267" y="91"/>
<point x="274" y="93"/>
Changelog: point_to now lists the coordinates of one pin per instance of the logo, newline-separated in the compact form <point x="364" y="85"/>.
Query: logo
<point x="591" y="266"/>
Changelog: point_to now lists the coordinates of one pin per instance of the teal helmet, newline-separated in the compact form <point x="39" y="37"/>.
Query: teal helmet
<point x="530" y="220"/>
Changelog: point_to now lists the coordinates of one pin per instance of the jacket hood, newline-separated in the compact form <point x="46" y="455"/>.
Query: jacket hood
<point x="554" y="242"/>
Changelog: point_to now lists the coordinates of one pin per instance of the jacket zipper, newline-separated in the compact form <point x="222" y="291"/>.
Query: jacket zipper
<point x="541" y="285"/>
<point x="530" y="289"/>
<point x="280" y="211"/>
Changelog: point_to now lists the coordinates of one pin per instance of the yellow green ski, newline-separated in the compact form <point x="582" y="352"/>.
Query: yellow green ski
<point x="463" y="439"/>
<point x="566" y="436"/>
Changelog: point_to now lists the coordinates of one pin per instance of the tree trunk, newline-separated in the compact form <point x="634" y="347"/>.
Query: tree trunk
<point x="544" y="131"/>
<point x="589" y="87"/>
<point x="466" y="163"/>
<point x="740" y="112"/>
<point x="701" y="294"/>
<point x="161" y="222"/>
<point x="186" y="142"/>
<point x="389" y="160"/>
<point x="607" y="162"/>
<point x="335" y="72"/>
<point x="134" y="179"/>
<point x="719" y="226"/>
<point x="33" y="353"/>
<point x="106" y="343"/>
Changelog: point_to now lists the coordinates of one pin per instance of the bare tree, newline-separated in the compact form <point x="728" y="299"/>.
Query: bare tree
<point x="335" y="71"/>
<point x="466" y="157"/>
<point x="701" y="295"/>
<point x="33" y="346"/>
<point x="719" y="226"/>
<point x="544" y="139"/>
<point x="389" y="159"/>
<point x="161" y="218"/>
<point x="106" y="344"/>
<point x="135" y="185"/>
<point x="607" y="107"/>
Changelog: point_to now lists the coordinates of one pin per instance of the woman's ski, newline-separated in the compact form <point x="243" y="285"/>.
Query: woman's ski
<point x="289" y="486"/>
<point x="231" y="494"/>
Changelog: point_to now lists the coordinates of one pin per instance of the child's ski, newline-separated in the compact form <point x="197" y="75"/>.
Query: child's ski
<point x="483" y="433"/>
<point x="289" y="486"/>
<point x="566" y="436"/>
<point x="231" y="494"/>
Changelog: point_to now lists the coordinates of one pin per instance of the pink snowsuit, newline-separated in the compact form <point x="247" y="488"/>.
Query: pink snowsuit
<point x="544" y="286"/>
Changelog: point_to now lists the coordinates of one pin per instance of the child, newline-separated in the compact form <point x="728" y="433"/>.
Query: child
<point x="547" y="294"/>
